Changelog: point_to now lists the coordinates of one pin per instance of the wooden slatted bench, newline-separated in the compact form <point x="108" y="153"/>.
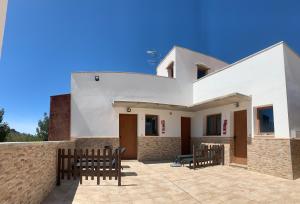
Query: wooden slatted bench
<point x="184" y="159"/>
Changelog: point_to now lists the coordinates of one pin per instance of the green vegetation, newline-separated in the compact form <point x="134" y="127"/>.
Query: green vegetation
<point x="15" y="136"/>
<point x="11" y="135"/>
<point x="42" y="129"/>
<point x="4" y="129"/>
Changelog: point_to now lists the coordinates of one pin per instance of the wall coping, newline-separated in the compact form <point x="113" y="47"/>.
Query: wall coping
<point x="158" y="137"/>
<point x="94" y="137"/>
<point x="213" y="137"/>
<point x="269" y="138"/>
<point x="23" y="144"/>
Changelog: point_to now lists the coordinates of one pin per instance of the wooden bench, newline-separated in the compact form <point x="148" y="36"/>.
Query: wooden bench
<point x="184" y="159"/>
<point x="207" y="155"/>
<point x="89" y="163"/>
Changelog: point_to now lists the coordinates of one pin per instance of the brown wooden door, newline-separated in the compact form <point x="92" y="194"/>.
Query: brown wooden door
<point x="240" y="137"/>
<point x="128" y="135"/>
<point x="185" y="135"/>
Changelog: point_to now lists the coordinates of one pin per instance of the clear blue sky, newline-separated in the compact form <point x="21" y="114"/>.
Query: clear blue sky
<point x="45" y="40"/>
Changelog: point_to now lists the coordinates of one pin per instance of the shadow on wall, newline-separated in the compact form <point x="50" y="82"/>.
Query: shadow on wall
<point x="129" y="174"/>
<point x="81" y="125"/>
<point x="156" y="162"/>
<point x="64" y="193"/>
<point x="295" y="156"/>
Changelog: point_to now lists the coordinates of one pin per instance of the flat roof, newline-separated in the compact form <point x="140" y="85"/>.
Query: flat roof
<point x="211" y="103"/>
<point x="190" y="50"/>
<point x="220" y="101"/>
<point x="242" y="60"/>
<point x="152" y="105"/>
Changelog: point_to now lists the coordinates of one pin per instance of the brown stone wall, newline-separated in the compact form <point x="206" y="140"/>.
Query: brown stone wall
<point x="60" y="117"/>
<point x="270" y="156"/>
<point x="28" y="170"/>
<point x="97" y="142"/>
<point x="295" y="154"/>
<point x="152" y="148"/>
<point x="226" y="141"/>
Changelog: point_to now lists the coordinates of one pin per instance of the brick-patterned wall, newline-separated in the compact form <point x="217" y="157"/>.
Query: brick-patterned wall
<point x="28" y="170"/>
<point x="97" y="142"/>
<point x="295" y="154"/>
<point x="60" y="117"/>
<point x="226" y="141"/>
<point x="151" y="148"/>
<point x="270" y="156"/>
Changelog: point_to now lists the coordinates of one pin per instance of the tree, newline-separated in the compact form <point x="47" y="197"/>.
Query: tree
<point x="15" y="136"/>
<point x="42" y="129"/>
<point x="4" y="128"/>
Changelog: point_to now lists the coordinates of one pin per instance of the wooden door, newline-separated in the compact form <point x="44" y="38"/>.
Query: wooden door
<point x="128" y="135"/>
<point x="185" y="135"/>
<point x="240" y="137"/>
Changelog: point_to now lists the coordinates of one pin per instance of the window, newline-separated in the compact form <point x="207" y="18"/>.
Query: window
<point x="170" y="70"/>
<point x="201" y="71"/>
<point x="151" y="125"/>
<point x="265" y="119"/>
<point x="213" y="124"/>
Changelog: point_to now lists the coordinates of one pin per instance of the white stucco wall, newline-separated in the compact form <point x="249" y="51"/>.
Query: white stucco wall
<point x="91" y="101"/>
<point x="185" y="61"/>
<point x="261" y="76"/>
<point x="92" y="113"/>
<point x="161" y="69"/>
<point x="292" y="64"/>
<point x="3" y="8"/>
<point x="185" y="69"/>
<point x="172" y="120"/>
<point x="227" y="112"/>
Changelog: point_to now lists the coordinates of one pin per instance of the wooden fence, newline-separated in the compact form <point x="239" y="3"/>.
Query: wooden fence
<point x="207" y="155"/>
<point x="89" y="163"/>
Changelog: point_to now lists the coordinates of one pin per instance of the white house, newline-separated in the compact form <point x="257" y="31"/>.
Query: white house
<point x="252" y="106"/>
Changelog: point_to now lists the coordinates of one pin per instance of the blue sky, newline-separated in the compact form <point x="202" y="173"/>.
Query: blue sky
<point x="46" y="40"/>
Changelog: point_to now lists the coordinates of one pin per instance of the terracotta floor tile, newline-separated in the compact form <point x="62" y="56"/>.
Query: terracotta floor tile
<point x="160" y="183"/>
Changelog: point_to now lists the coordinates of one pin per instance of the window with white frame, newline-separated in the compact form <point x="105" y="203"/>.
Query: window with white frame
<point x="265" y="120"/>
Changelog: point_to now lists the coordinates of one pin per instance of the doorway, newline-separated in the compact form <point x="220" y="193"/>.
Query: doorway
<point x="128" y="135"/>
<point x="185" y="135"/>
<point x="240" y="137"/>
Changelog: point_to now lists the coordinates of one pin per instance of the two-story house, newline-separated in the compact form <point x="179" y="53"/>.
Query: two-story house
<point x="252" y="106"/>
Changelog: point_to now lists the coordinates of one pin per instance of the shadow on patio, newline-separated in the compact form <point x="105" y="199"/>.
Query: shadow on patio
<point x="160" y="183"/>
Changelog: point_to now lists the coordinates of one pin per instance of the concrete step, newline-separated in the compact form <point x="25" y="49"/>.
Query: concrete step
<point x="243" y="166"/>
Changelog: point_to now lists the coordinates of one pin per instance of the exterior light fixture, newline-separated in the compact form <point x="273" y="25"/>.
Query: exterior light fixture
<point x="97" y="78"/>
<point x="237" y="104"/>
<point x="128" y="109"/>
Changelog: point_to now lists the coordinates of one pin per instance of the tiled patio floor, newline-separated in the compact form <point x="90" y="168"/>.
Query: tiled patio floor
<point x="160" y="183"/>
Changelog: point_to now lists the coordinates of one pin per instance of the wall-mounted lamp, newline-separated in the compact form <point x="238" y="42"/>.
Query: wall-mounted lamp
<point x="237" y="104"/>
<point x="97" y="78"/>
<point x="128" y="109"/>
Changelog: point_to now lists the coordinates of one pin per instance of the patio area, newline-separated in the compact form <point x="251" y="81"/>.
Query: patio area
<point x="160" y="183"/>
